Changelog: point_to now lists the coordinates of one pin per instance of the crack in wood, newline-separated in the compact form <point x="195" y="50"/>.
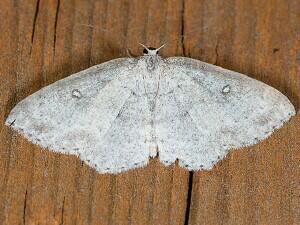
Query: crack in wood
<point x="37" y="7"/>
<point x="182" y="27"/>
<point x="91" y="32"/>
<point x="62" y="212"/>
<point x="216" y="52"/>
<point x="189" y="198"/>
<point x="24" y="207"/>
<point x="191" y="173"/>
<point x="55" y="25"/>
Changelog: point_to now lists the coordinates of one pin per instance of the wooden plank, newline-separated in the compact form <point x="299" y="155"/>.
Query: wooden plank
<point x="43" y="41"/>
<point x="257" y="185"/>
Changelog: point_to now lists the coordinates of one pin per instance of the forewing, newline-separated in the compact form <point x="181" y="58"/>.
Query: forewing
<point x="218" y="110"/>
<point x="123" y="146"/>
<point x="73" y="115"/>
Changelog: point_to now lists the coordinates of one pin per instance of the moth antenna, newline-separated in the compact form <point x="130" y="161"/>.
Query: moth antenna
<point x="178" y="38"/>
<point x="107" y="31"/>
<point x="129" y="53"/>
<point x="144" y="46"/>
<point x="160" y="47"/>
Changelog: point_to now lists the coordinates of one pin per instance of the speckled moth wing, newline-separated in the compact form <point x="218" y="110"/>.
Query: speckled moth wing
<point x="116" y="115"/>
<point x="75" y="115"/>
<point x="207" y="110"/>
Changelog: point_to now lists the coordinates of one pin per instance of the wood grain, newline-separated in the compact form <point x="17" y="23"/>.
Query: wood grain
<point x="42" y="41"/>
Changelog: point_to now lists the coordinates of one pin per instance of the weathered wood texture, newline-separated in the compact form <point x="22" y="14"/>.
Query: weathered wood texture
<point x="42" y="41"/>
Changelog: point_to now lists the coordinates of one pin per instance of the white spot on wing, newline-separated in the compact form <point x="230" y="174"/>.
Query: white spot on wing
<point x="226" y="89"/>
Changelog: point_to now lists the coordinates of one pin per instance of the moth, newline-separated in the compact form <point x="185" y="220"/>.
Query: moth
<point x="116" y="115"/>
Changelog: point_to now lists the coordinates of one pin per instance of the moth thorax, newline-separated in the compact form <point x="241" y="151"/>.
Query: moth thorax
<point x="151" y="84"/>
<point x="151" y="62"/>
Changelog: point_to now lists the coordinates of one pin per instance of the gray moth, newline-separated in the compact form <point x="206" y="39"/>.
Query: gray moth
<point x="116" y="115"/>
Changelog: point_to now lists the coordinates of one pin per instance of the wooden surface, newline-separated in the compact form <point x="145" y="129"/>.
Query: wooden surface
<point x="42" y="41"/>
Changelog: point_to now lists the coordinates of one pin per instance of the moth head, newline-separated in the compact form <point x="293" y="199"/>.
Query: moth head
<point x="151" y="50"/>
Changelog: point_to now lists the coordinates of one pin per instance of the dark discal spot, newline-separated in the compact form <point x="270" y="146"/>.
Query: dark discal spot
<point x="226" y="89"/>
<point x="76" y="94"/>
<point x="119" y="114"/>
<point x="275" y="50"/>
